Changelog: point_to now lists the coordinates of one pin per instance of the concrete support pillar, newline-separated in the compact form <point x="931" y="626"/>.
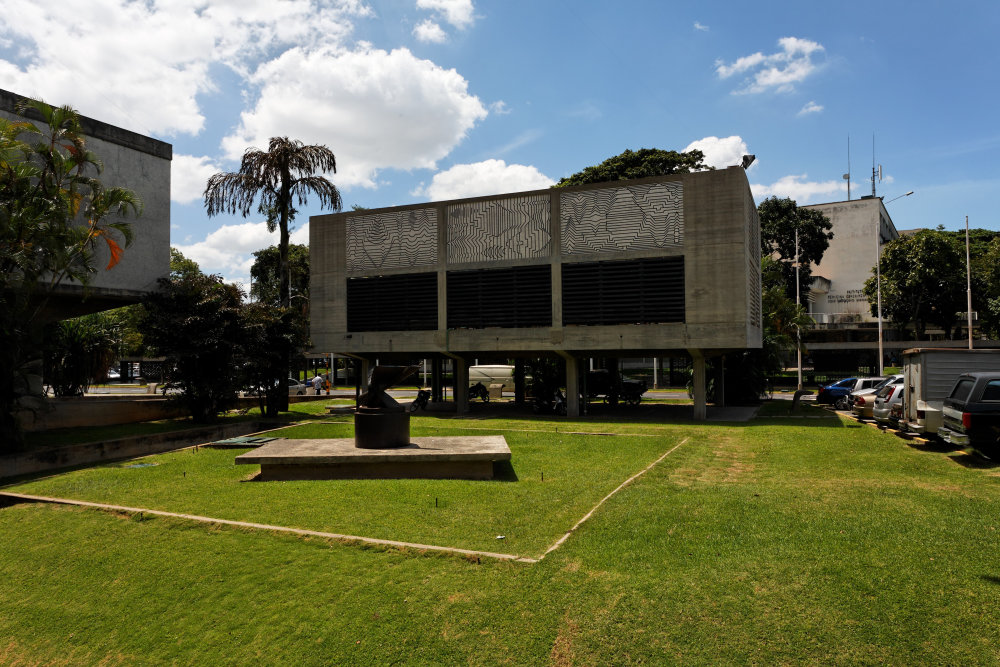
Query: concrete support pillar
<point x="698" y="377"/>
<point x="720" y="381"/>
<point x="436" y="394"/>
<point x="519" y="381"/>
<point x="572" y="385"/>
<point x="461" y="376"/>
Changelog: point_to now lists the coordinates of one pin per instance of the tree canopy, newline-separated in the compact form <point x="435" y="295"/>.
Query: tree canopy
<point x="264" y="274"/>
<point x="181" y="266"/>
<point x="922" y="281"/>
<point x="277" y="178"/>
<point x="638" y="164"/>
<point x="779" y="220"/>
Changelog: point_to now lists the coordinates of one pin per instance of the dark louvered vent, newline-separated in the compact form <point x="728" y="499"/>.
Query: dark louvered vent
<point x="642" y="291"/>
<point x="392" y="303"/>
<point x="520" y="296"/>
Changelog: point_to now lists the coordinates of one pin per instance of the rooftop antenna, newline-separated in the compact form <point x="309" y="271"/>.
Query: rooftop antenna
<point x="847" y="176"/>
<point x="876" y="173"/>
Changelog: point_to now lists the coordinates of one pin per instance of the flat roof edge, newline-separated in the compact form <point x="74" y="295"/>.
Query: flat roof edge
<point x="101" y="130"/>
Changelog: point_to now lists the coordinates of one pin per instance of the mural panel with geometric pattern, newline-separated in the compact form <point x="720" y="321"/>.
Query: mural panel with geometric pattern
<point x="635" y="217"/>
<point x="394" y="240"/>
<point x="499" y="230"/>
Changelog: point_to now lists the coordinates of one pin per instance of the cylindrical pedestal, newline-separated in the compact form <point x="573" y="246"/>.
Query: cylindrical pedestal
<point x="374" y="428"/>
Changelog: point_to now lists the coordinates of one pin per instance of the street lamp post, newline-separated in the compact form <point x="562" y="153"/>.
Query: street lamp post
<point x="798" y="304"/>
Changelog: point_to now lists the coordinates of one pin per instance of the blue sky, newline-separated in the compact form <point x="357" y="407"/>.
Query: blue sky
<point x="435" y="99"/>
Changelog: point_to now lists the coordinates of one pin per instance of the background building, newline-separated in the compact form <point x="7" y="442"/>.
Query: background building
<point x="141" y="164"/>
<point x="643" y="268"/>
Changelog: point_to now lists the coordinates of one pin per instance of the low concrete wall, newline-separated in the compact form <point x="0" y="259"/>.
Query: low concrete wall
<point x="52" y="413"/>
<point x="57" y="458"/>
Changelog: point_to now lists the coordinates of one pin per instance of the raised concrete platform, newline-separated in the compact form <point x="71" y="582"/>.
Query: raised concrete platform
<point x="458" y="457"/>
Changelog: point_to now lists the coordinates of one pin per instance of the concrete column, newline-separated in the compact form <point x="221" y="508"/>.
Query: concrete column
<point x="436" y="379"/>
<point x="720" y="381"/>
<point x="519" y="381"/>
<point x="698" y="377"/>
<point x="461" y="375"/>
<point x="572" y="386"/>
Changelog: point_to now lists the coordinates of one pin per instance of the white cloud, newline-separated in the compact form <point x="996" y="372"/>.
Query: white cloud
<point x="429" y="31"/>
<point x="142" y="65"/>
<point x="484" y="178"/>
<point x="188" y="176"/>
<point x="374" y="109"/>
<point x="458" y="13"/>
<point x="229" y="249"/>
<point x="720" y="152"/>
<point x="500" y="108"/>
<point x="699" y="26"/>
<point x="778" y="71"/>
<point x="810" y="107"/>
<point x="801" y="190"/>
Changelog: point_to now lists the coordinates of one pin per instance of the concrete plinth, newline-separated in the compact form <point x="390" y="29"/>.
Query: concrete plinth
<point x="337" y="458"/>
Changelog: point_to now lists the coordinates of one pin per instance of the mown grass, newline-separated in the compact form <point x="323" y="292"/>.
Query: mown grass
<point x="779" y="541"/>
<point x="559" y="477"/>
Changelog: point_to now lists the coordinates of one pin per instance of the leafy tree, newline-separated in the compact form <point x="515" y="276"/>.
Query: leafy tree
<point x="76" y="352"/>
<point x="54" y="211"/>
<point x="268" y="330"/>
<point x="181" y="266"/>
<point x="265" y="274"/>
<point x="638" y="164"/>
<point x="196" y="323"/>
<point x="922" y="281"/>
<point x="779" y="219"/>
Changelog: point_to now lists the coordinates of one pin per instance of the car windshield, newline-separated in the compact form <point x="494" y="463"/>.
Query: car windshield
<point x="883" y="383"/>
<point x="886" y="390"/>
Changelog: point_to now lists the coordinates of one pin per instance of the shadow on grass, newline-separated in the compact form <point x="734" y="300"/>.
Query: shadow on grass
<point x="503" y="471"/>
<point x="974" y="460"/>
<point x="932" y="446"/>
<point x="990" y="578"/>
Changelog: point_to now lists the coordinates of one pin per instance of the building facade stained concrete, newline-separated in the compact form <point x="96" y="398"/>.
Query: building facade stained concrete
<point x="861" y="228"/>
<point x="648" y="267"/>
<point x="141" y="164"/>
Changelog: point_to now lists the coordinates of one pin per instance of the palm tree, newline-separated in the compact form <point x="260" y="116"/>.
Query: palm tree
<point x="277" y="176"/>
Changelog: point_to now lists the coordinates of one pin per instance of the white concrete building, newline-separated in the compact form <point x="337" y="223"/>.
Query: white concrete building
<point x="860" y="228"/>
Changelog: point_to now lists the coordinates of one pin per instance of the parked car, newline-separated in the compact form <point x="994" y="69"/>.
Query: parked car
<point x="297" y="388"/>
<point x="863" y="400"/>
<point x="836" y="391"/>
<point x="971" y="413"/>
<point x="839" y="393"/>
<point x="888" y="406"/>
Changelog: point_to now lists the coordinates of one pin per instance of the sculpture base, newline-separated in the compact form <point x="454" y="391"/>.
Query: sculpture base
<point x="448" y="457"/>
<point x="375" y="428"/>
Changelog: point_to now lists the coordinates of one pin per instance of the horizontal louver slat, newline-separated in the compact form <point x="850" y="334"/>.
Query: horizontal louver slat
<point x="644" y="291"/>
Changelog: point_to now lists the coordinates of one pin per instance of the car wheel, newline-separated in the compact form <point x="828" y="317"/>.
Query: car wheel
<point x="841" y="403"/>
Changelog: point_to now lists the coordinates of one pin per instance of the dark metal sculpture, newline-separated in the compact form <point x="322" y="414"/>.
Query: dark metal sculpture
<point x="380" y="422"/>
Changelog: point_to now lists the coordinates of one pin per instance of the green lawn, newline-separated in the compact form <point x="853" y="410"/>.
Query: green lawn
<point x="785" y="540"/>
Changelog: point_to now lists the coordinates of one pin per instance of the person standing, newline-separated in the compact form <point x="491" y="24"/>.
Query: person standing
<point x="317" y="383"/>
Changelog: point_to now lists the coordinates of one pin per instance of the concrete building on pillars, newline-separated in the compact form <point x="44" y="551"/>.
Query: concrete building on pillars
<point x="664" y="266"/>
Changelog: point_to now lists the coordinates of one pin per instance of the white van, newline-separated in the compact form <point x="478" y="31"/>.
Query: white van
<point x="488" y="375"/>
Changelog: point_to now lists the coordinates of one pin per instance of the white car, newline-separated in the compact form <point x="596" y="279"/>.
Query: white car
<point x="297" y="388"/>
<point x="886" y="399"/>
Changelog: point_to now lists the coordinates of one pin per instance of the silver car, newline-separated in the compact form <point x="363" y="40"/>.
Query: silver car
<point x="863" y="400"/>
<point x="886" y="398"/>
